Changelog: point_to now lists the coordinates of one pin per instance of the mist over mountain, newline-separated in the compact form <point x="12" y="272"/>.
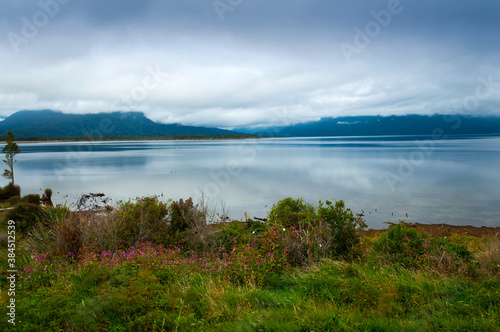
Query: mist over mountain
<point x="386" y="125"/>
<point x="49" y="123"/>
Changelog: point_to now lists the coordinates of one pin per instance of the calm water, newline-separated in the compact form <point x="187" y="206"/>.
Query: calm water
<point x="454" y="181"/>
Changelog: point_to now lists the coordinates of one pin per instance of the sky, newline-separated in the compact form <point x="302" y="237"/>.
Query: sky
<point x="244" y="63"/>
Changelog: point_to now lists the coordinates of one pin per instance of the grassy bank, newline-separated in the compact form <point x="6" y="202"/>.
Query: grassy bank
<point x="175" y="266"/>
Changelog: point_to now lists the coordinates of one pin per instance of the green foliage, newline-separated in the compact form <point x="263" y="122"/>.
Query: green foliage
<point x="406" y="246"/>
<point x="343" y="226"/>
<point x="227" y="236"/>
<point x="331" y="296"/>
<point x="68" y="236"/>
<point x="26" y="215"/>
<point x="255" y="226"/>
<point x="141" y="221"/>
<point x="455" y="250"/>
<point x="290" y="212"/>
<point x="31" y="199"/>
<point x="55" y="214"/>
<point x="9" y="191"/>
<point x="330" y="230"/>
<point x="180" y="216"/>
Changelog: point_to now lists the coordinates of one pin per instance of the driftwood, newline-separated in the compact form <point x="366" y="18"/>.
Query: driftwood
<point x="93" y="202"/>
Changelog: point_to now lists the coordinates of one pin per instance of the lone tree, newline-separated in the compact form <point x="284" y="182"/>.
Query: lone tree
<point x="10" y="149"/>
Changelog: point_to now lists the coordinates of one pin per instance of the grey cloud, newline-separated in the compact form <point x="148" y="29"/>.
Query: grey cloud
<point x="264" y="58"/>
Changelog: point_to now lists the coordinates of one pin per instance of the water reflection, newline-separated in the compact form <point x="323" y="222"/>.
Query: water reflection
<point x="454" y="181"/>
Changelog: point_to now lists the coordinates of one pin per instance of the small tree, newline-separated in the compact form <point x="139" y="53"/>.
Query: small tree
<point x="10" y="149"/>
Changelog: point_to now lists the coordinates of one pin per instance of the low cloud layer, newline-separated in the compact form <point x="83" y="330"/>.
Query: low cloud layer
<point x="250" y="63"/>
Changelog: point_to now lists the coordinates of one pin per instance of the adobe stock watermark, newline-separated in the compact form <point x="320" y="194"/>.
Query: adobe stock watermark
<point x="223" y="6"/>
<point x="31" y="26"/>
<point x="11" y="272"/>
<point x="372" y="29"/>
<point x="153" y="79"/>
<point x="425" y="148"/>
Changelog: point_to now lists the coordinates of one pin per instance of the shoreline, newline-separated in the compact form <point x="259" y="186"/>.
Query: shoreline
<point x="445" y="230"/>
<point x="89" y="139"/>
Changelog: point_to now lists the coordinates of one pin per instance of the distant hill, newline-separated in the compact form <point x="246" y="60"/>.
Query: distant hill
<point x="130" y="124"/>
<point x="389" y="125"/>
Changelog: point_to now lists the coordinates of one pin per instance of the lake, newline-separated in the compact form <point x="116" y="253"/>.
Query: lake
<point x="417" y="179"/>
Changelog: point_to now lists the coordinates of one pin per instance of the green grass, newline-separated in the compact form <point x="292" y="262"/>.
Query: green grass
<point x="332" y="296"/>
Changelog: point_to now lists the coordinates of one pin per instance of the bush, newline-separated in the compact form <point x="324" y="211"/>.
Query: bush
<point x="14" y="200"/>
<point x="55" y="214"/>
<point x="330" y="230"/>
<point x="26" y="215"/>
<point x="453" y="259"/>
<point x="291" y="212"/>
<point x="189" y="223"/>
<point x="255" y="226"/>
<point x="144" y="220"/>
<point x="180" y="216"/>
<point x="226" y="236"/>
<point x="31" y="199"/>
<point x="47" y="197"/>
<point x="9" y="191"/>
<point x="343" y="226"/>
<point x="405" y="246"/>
<point x="455" y="250"/>
<point x="68" y="236"/>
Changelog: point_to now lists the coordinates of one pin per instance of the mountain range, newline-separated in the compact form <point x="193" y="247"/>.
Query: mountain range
<point x="386" y="125"/>
<point x="49" y="123"/>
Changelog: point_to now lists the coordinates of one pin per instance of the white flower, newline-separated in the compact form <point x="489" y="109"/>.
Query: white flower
<point x="283" y="229"/>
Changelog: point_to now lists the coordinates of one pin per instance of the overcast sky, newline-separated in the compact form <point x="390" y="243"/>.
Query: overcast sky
<point x="232" y="63"/>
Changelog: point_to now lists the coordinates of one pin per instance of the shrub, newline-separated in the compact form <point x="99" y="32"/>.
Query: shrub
<point x="255" y="226"/>
<point x="290" y="212"/>
<point x="343" y="227"/>
<point x="31" y="199"/>
<point x="180" y="215"/>
<point x="47" y="197"/>
<point x="14" y="200"/>
<point x="299" y="218"/>
<point x="453" y="259"/>
<point x="9" y="191"/>
<point x="43" y="236"/>
<point x="54" y="214"/>
<point x="456" y="250"/>
<point x="330" y="230"/>
<point x="405" y="246"/>
<point x="144" y="220"/>
<point x="26" y="215"/>
<point x="226" y="236"/>
<point x="68" y="236"/>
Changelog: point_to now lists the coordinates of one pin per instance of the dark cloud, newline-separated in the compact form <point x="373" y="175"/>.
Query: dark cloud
<point x="245" y="64"/>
